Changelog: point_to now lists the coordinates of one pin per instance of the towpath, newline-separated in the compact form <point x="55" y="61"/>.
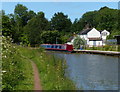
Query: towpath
<point x="37" y="84"/>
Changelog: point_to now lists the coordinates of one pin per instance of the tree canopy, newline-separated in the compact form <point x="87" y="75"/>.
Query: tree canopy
<point x="60" y="22"/>
<point x="29" y="27"/>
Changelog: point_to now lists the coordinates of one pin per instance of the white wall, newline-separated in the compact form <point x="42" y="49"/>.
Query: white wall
<point x="104" y="34"/>
<point x="93" y="34"/>
<point x="95" y="43"/>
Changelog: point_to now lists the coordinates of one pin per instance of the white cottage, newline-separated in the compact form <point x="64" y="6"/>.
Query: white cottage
<point x="92" y="36"/>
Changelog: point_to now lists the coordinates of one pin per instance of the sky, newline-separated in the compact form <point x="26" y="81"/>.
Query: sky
<point x="72" y="9"/>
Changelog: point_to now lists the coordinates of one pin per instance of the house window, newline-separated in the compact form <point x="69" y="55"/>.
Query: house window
<point x="104" y="34"/>
<point x="94" y="43"/>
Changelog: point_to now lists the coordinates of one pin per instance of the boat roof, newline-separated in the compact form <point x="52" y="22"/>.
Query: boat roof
<point x="54" y="44"/>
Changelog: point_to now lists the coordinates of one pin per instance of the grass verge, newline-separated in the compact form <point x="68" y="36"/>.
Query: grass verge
<point x="51" y="69"/>
<point x="17" y="71"/>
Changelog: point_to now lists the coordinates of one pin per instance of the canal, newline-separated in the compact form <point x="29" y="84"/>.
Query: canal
<point x="91" y="72"/>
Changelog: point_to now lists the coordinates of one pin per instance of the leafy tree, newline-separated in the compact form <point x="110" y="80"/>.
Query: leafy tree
<point x="30" y="15"/>
<point x="106" y="18"/>
<point x="6" y="25"/>
<point x="51" y="37"/>
<point x="78" y="42"/>
<point x="21" y="13"/>
<point x="60" y="22"/>
<point x="88" y="17"/>
<point x="19" y="19"/>
<point x="75" y="26"/>
<point x="35" y="27"/>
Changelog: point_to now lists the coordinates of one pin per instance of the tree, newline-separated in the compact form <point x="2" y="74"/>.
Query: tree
<point x="60" y="22"/>
<point x="35" y="27"/>
<point x="51" y="37"/>
<point x="21" y="14"/>
<point x="106" y="18"/>
<point x="76" y="26"/>
<point x="6" y="25"/>
<point x="78" y="42"/>
<point x="19" y="19"/>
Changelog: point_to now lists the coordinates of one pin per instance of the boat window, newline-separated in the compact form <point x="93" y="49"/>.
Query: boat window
<point x="56" y="46"/>
<point x="52" y="46"/>
<point x="60" y="47"/>
<point x="48" y="46"/>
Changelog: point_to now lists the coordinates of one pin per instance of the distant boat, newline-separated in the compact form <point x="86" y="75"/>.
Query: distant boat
<point x="58" y="47"/>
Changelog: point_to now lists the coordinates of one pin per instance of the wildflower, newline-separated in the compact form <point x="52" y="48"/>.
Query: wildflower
<point x="5" y="56"/>
<point x="4" y="46"/>
<point x="3" y="71"/>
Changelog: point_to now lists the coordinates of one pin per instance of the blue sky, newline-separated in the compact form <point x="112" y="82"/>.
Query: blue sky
<point x="72" y="9"/>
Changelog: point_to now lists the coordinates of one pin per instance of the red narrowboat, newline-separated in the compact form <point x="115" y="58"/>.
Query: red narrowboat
<point x="58" y="47"/>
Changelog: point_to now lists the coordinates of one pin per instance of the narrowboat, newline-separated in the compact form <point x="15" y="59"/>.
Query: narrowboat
<point x="58" y="47"/>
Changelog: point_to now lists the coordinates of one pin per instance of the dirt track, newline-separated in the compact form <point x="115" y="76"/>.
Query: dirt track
<point x="37" y="84"/>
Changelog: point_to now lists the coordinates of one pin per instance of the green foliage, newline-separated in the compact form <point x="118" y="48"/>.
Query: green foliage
<point x="15" y="69"/>
<point x="78" y="42"/>
<point x="27" y="26"/>
<point x="105" y="18"/>
<point x="76" y="26"/>
<point x="51" y="69"/>
<point x="113" y="33"/>
<point x="51" y="37"/>
<point x="119" y="48"/>
<point x="6" y="26"/>
<point x="60" y="22"/>
<point x="35" y="27"/>
<point x="104" y="48"/>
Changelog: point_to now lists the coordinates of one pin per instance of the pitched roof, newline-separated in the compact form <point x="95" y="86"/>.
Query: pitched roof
<point x="70" y="38"/>
<point x="84" y="31"/>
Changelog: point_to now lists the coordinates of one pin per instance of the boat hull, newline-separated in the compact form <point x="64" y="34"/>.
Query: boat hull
<point x="58" y="47"/>
<point x="59" y="50"/>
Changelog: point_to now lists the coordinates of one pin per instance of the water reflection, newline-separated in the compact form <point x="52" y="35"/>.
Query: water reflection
<point x="92" y="72"/>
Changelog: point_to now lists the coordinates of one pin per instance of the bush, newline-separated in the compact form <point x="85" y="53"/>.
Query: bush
<point x="16" y="71"/>
<point x="11" y="65"/>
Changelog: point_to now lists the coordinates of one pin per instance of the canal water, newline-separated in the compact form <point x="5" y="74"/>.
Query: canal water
<point x="91" y="72"/>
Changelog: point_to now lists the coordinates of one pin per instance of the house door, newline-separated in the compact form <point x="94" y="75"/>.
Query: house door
<point x="94" y="43"/>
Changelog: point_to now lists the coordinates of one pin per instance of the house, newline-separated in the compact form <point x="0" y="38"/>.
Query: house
<point x="92" y="36"/>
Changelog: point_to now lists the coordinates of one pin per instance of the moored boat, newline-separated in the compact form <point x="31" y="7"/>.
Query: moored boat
<point x="58" y="47"/>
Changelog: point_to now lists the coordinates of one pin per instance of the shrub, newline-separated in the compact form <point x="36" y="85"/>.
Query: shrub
<point x="11" y="65"/>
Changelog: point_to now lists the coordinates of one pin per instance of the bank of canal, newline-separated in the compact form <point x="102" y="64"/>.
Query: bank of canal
<point x="91" y="72"/>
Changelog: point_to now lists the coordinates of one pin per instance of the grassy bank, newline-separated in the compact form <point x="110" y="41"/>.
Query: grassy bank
<point x="51" y="69"/>
<point x="17" y="71"/>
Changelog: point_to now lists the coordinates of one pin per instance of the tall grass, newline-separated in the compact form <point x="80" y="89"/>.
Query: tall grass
<point x="51" y="69"/>
<point x="17" y="72"/>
